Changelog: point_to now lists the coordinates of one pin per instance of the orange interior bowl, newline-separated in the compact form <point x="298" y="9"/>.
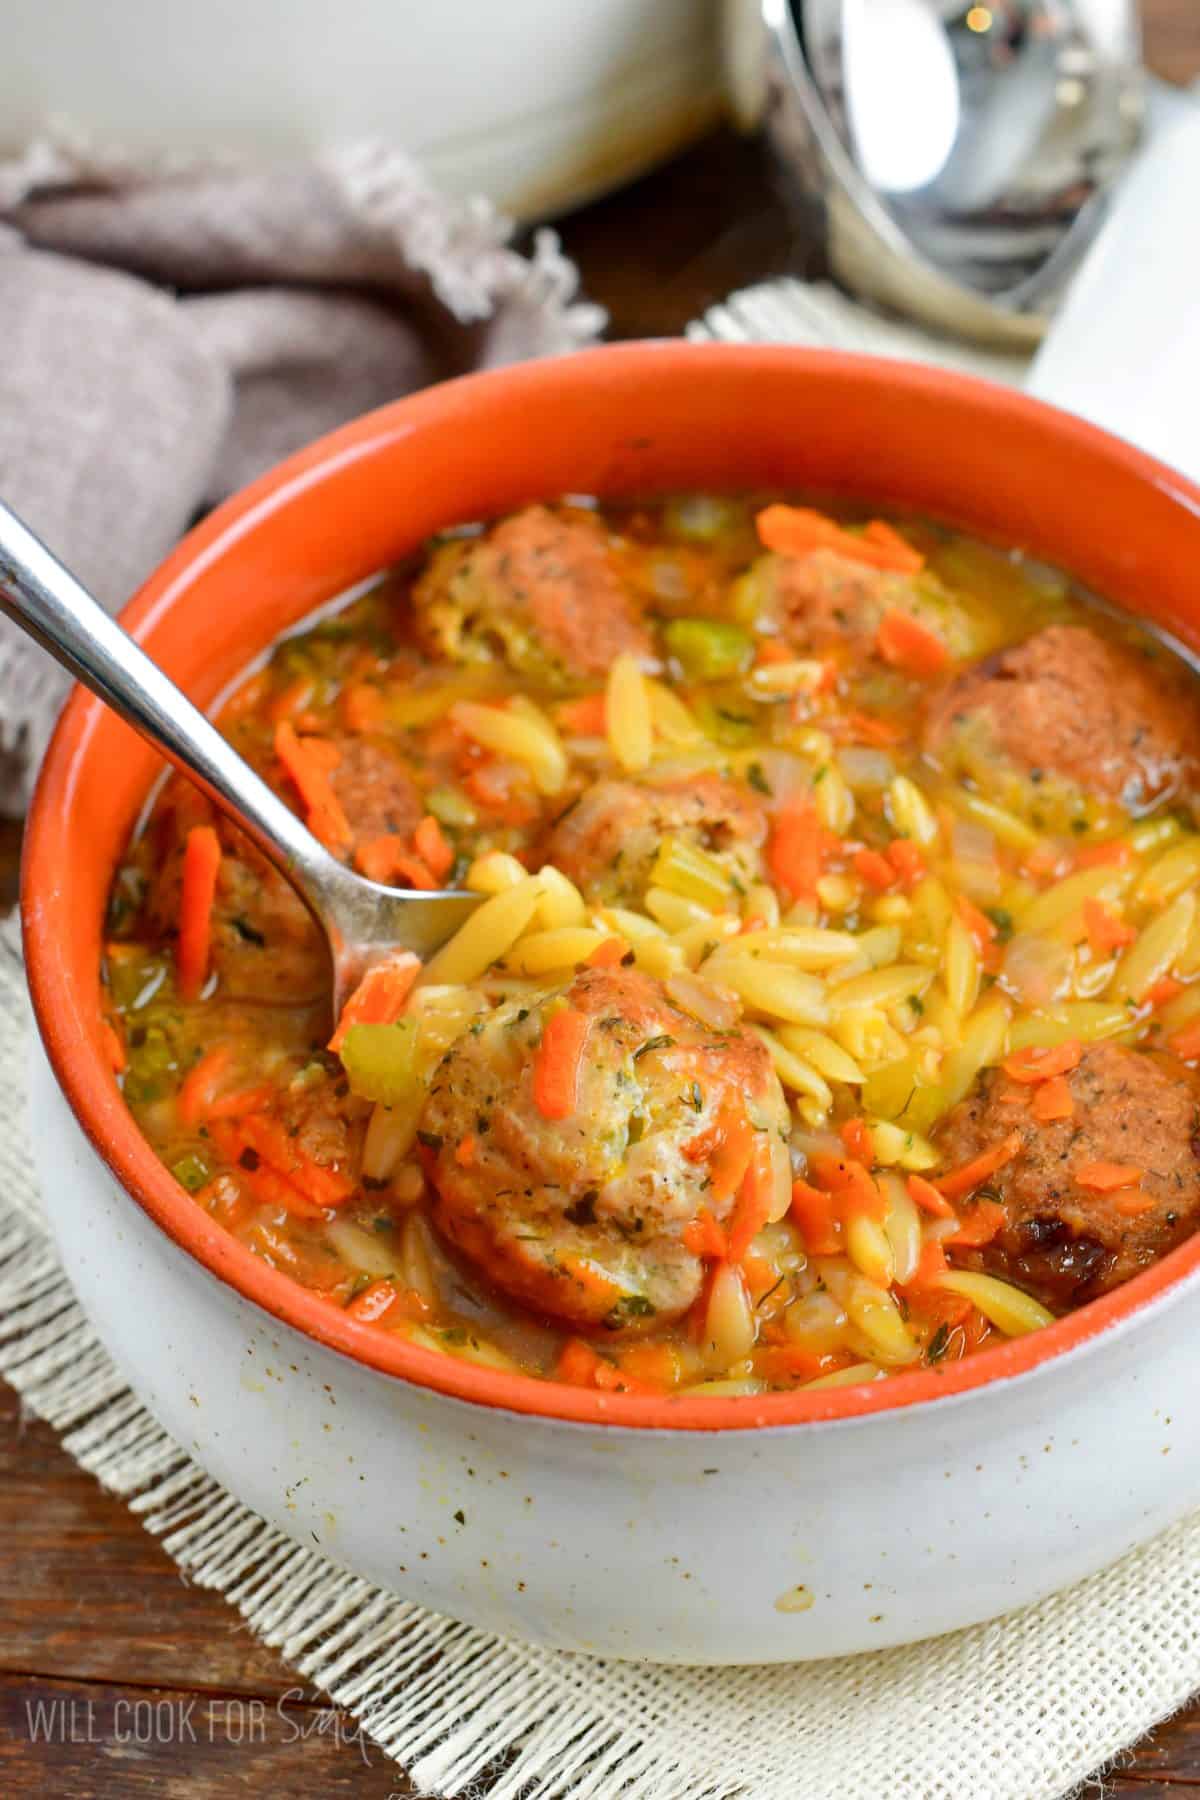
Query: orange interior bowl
<point x="618" y="421"/>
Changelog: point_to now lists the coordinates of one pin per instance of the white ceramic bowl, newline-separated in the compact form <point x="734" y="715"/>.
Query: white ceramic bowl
<point x="706" y="1530"/>
<point x="537" y="104"/>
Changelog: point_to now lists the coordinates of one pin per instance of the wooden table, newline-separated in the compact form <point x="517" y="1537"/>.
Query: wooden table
<point x="148" y="1686"/>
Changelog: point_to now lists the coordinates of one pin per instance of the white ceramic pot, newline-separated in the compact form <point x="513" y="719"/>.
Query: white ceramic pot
<point x="535" y="103"/>
<point x="743" y="1547"/>
<point x="731" y="1529"/>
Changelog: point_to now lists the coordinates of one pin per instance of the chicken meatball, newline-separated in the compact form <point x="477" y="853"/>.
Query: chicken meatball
<point x="265" y="944"/>
<point x="1065" y="1240"/>
<point x="1077" y="708"/>
<point x="824" y="600"/>
<point x="609" y="839"/>
<point x="374" y="790"/>
<point x="542" y="587"/>
<point x="582" y="1214"/>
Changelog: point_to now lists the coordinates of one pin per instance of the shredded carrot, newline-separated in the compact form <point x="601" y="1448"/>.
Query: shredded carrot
<point x="577" y="1364"/>
<point x="503" y="792"/>
<point x="582" y="718"/>
<point x="201" y="866"/>
<point x="1052" y="1100"/>
<point x="1163" y="990"/>
<point x="922" y="1193"/>
<point x="362" y="707"/>
<point x="979" y="1226"/>
<point x="851" y="1180"/>
<point x="786" y="1363"/>
<point x="651" y="1366"/>
<point x="381" y="995"/>
<point x="1105" y="1177"/>
<point x="857" y="1139"/>
<point x="910" y="646"/>
<point x="930" y="1265"/>
<point x="866" y="728"/>
<point x="609" y="954"/>
<point x="770" y="650"/>
<point x="962" y="1180"/>
<point x="874" y="869"/>
<point x="269" y="1139"/>
<point x="308" y="762"/>
<point x="386" y="860"/>
<point x="114" y="1047"/>
<point x="907" y="861"/>
<point x="816" y="1214"/>
<point x="1106" y="930"/>
<point x="467" y="1150"/>
<point x="762" y="1277"/>
<point x="932" y="1307"/>
<point x="270" y="1188"/>
<point x="430" y="844"/>
<point x="908" y="560"/>
<point x="556" y="1065"/>
<point x="198" y="1088"/>
<point x="1096" y="856"/>
<point x="797" y="530"/>
<point x="753" y="1204"/>
<point x="796" y="853"/>
<point x="981" y="928"/>
<point x="1039" y="1062"/>
<point x="1186" y="1043"/>
<point x="704" y="1237"/>
<point x="732" y="1152"/>
<point x="1132" y="1203"/>
<point x="1044" y="863"/>
<point x="245" y="1100"/>
<point x="375" y="1303"/>
<point x="619" y="1380"/>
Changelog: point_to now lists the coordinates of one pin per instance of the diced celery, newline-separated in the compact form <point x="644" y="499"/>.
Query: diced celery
<point x="709" y="649"/>
<point x="381" y="1061"/>
<point x="684" y="869"/>
<point x="191" y="1172"/>
<point x="700" y="517"/>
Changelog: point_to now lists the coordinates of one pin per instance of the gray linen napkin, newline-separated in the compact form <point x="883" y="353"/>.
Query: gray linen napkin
<point x="168" y="332"/>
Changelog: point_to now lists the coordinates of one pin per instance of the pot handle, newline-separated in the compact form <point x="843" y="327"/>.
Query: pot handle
<point x="1124" y="350"/>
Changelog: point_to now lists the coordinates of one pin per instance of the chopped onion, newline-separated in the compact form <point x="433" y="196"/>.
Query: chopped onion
<point x="1037" y="969"/>
<point x="704" y="1000"/>
<point x="865" y="768"/>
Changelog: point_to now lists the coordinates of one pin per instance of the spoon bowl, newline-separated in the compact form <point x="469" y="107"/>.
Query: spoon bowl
<point x="363" y="921"/>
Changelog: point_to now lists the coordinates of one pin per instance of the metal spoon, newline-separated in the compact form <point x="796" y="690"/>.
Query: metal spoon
<point x="362" y="921"/>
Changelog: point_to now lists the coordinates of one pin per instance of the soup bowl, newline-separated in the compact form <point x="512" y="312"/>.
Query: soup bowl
<point x="709" y="1529"/>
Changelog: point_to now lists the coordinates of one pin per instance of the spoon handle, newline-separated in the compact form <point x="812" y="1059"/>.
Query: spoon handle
<point x="44" y="599"/>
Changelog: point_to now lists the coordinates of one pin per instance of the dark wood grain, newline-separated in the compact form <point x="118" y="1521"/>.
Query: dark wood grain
<point x="94" y="1617"/>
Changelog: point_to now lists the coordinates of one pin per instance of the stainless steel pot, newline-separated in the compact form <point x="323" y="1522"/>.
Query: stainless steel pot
<point x="961" y="154"/>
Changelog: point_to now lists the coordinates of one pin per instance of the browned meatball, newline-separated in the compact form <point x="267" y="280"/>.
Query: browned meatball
<point x="324" y="1121"/>
<point x="583" y="1216"/>
<point x="265" y="945"/>
<point x="824" y="600"/>
<point x="1064" y="1241"/>
<point x="541" y="587"/>
<point x="609" y="839"/>
<point x="1072" y="705"/>
<point x="376" y="792"/>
